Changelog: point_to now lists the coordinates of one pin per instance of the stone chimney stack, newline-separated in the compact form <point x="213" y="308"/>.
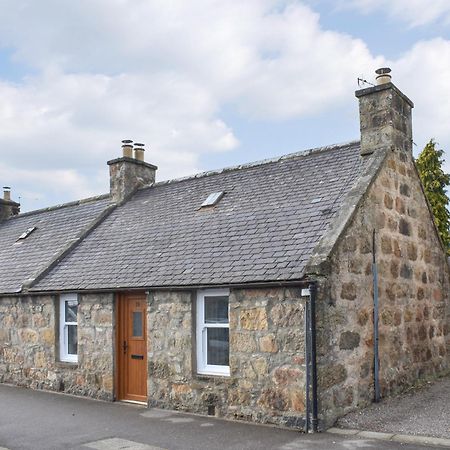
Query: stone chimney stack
<point x="8" y="207"/>
<point x="385" y="116"/>
<point x="129" y="172"/>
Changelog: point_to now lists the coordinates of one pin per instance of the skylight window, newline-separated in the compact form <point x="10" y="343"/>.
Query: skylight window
<point x="25" y="234"/>
<point x="213" y="199"/>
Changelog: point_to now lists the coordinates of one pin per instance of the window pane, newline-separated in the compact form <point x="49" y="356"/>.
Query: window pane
<point x="218" y="346"/>
<point x="137" y="323"/>
<point x="216" y="309"/>
<point x="71" y="310"/>
<point x="72" y="342"/>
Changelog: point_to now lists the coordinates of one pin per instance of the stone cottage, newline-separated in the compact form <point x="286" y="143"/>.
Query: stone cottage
<point x="288" y="291"/>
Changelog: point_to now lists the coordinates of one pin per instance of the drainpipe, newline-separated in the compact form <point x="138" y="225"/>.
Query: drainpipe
<point x="376" y="361"/>
<point x="312" y="311"/>
<point x="311" y="361"/>
<point x="308" y="366"/>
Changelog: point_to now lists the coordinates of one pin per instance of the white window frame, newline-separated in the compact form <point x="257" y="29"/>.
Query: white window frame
<point x="64" y="356"/>
<point x="202" y="367"/>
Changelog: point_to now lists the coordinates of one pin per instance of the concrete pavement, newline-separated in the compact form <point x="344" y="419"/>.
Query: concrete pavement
<point x="42" y="420"/>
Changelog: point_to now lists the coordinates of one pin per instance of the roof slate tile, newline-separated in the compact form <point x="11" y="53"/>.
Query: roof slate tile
<point x="55" y="228"/>
<point x="264" y="228"/>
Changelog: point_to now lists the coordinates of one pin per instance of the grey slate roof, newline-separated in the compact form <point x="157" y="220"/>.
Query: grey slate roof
<point x="263" y="229"/>
<point x="55" y="229"/>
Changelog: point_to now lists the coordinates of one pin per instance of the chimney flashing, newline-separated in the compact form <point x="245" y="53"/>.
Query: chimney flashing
<point x="383" y="87"/>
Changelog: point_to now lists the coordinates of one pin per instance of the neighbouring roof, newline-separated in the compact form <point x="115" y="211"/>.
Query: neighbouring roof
<point x="264" y="228"/>
<point x="55" y="229"/>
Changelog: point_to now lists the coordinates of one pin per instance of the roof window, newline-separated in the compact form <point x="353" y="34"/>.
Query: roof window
<point x="213" y="199"/>
<point x="26" y="233"/>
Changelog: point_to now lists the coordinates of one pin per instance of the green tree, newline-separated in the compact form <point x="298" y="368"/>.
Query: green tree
<point x="435" y="180"/>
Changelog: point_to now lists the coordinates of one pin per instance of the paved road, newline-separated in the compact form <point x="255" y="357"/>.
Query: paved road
<point x="424" y="411"/>
<point x="42" y="420"/>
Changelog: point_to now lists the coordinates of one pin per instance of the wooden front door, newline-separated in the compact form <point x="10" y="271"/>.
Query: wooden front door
<point x="132" y="347"/>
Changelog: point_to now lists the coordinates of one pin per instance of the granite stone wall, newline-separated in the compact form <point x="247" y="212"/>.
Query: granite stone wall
<point x="413" y="291"/>
<point x="266" y="353"/>
<point x="266" y="357"/>
<point x="126" y="175"/>
<point x="29" y="345"/>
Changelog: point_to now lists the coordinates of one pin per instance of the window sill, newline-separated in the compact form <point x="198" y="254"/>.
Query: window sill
<point x="206" y="375"/>
<point x="66" y="365"/>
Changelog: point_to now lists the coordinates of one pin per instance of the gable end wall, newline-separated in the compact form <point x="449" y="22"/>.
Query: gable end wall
<point x="413" y="291"/>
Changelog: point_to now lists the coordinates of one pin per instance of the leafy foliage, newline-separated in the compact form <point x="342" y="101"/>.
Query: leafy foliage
<point x="435" y="181"/>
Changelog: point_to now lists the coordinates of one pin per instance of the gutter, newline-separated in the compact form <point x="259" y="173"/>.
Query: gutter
<point x="263" y="284"/>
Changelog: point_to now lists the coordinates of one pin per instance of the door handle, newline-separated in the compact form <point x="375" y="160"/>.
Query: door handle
<point x="125" y="347"/>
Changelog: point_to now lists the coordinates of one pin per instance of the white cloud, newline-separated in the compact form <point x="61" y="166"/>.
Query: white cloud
<point x="77" y="121"/>
<point x="39" y="184"/>
<point x="414" y="12"/>
<point x="161" y="72"/>
<point x="267" y="56"/>
<point x="423" y="74"/>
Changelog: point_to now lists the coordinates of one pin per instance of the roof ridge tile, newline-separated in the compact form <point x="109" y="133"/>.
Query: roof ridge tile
<point x="61" y="205"/>
<point x="262" y="162"/>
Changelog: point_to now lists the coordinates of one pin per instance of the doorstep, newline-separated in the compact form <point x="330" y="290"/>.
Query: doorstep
<point x="133" y="402"/>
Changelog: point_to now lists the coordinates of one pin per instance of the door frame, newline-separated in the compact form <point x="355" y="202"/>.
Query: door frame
<point x="119" y="384"/>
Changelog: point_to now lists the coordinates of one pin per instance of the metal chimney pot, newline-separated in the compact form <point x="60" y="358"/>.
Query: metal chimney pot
<point x="7" y="193"/>
<point x="127" y="148"/>
<point x="139" y="151"/>
<point x="383" y="75"/>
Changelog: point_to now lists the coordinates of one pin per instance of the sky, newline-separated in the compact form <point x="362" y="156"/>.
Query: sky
<point x="204" y="84"/>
